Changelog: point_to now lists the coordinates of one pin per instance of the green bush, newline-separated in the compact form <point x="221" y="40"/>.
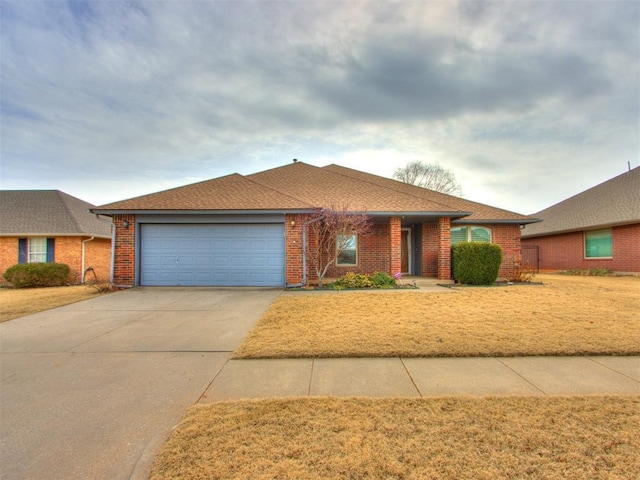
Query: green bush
<point x="37" y="275"/>
<point x="360" y="280"/>
<point x="476" y="263"/>
<point x="383" y="280"/>
<point x="353" y="280"/>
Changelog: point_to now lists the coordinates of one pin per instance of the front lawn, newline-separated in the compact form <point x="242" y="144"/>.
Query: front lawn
<point x="479" y="438"/>
<point x="567" y="315"/>
<point x="25" y="301"/>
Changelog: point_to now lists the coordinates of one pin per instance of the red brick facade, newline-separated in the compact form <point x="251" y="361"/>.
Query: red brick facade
<point x="566" y="251"/>
<point x="68" y="250"/>
<point x="508" y="237"/>
<point x="379" y="251"/>
<point x="124" y="271"/>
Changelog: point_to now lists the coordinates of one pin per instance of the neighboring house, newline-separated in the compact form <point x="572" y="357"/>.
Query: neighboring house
<point x="51" y="226"/>
<point x="598" y="228"/>
<point x="250" y="230"/>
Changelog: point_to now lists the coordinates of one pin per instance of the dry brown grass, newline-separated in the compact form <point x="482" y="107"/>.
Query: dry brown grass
<point x="564" y="316"/>
<point x="327" y="438"/>
<point x="25" y="301"/>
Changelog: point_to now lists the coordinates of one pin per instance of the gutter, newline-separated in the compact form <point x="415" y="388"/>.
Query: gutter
<point x="113" y="246"/>
<point x="82" y="256"/>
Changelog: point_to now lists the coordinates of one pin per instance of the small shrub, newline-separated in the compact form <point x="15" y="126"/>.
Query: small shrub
<point x="383" y="280"/>
<point x="353" y="280"/>
<point x="37" y="275"/>
<point x="594" y="272"/>
<point x="101" y="287"/>
<point x="476" y="263"/>
<point x="522" y="274"/>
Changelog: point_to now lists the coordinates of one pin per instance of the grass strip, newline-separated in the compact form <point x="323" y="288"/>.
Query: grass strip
<point x="480" y="438"/>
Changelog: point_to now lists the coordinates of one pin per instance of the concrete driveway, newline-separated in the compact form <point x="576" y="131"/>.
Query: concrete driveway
<point x="92" y="390"/>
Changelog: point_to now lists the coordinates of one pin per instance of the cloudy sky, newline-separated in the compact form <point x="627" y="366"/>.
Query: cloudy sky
<point x="526" y="102"/>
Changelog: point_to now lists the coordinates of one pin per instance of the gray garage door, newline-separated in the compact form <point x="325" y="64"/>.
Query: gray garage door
<point x="212" y="255"/>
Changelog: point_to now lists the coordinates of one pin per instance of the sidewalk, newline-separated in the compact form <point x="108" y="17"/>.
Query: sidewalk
<point x="426" y="377"/>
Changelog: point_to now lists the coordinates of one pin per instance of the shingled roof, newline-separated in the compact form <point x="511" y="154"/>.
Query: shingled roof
<point x="614" y="202"/>
<point x="49" y="213"/>
<point x="300" y="187"/>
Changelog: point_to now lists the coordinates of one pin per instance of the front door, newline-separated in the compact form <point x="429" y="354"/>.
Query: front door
<point x="405" y="242"/>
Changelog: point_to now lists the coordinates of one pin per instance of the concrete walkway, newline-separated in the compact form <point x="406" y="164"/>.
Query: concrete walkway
<point x="425" y="377"/>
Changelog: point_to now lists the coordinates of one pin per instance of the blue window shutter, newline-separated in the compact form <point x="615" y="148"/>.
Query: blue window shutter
<point x="51" y="249"/>
<point x="22" y="250"/>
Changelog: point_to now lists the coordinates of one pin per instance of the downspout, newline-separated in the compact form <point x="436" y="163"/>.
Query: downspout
<point x="304" y="254"/>
<point x="113" y="246"/>
<point x="82" y="260"/>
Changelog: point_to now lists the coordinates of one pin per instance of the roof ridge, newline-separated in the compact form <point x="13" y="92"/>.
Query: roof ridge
<point x="389" y="188"/>
<point x="279" y="192"/>
<point x="61" y="196"/>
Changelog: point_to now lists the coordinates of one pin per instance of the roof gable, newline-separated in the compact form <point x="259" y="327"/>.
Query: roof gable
<point x="47" y="212"/>
<point x="614" y="202"/>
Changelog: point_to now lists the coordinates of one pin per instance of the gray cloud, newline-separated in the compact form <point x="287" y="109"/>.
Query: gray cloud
<point x="156" y="93"/>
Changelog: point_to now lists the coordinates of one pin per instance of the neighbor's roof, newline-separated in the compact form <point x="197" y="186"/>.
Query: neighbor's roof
<point x="299" y="186"/>
<point x="47" y="213"/>
<point x="614" y="202"/>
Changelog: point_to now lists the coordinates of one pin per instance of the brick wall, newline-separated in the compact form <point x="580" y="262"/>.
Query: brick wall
<point x="395" y="245"/>
<point x="293" y="249"/>
<point x="566" y="251"/>
<point x="125" y="252"/>
<point x="98" y="255"/>
<point x="8" y="253"/>
<point x="444" y="248"/>
<point x="374" y="251"/>
<point x="436" y="248"/>
<point x="508" y="237"/>
<point x="68" y="250"/>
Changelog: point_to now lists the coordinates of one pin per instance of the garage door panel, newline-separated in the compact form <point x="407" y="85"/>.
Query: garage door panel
<point x="208" y="254"/>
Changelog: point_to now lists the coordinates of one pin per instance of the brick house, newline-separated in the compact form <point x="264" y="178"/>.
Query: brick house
<point x="250" y="230"/>
<point x="598" y="228"/>
<point x="51" y="226"/>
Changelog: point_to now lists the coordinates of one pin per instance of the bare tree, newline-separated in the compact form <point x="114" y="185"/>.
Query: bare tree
<point x="428" y="175"/>
<point x="329" y="233"/>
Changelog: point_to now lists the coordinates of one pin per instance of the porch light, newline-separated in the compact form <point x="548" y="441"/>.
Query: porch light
<point x="293" y="223"/>
<point x="125" y="223"/>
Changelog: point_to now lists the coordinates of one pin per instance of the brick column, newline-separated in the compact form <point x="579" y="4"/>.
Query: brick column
<point x="444" y="248"/>
<point x="395" y="237"/>
<point x="293" y="248"/>
<point x="125" y="251"/>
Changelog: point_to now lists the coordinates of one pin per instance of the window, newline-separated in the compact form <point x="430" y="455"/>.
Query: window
<point x="598" y="244"/>
<point x="471" y="233"/>
<point x="36" y="250"/>
<point x="347" y="246"/>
